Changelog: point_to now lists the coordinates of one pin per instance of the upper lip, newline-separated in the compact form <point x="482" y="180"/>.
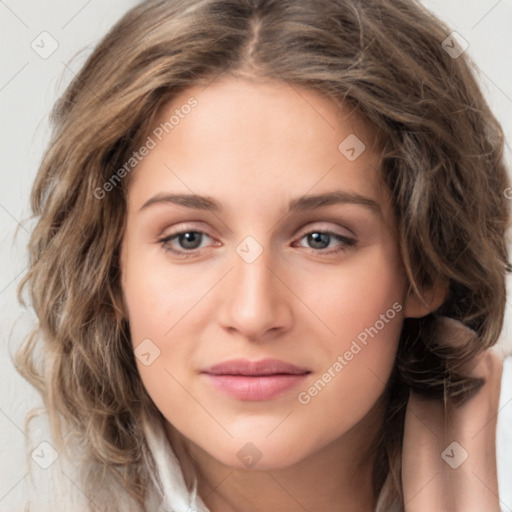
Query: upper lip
<point x="261" y="367"/>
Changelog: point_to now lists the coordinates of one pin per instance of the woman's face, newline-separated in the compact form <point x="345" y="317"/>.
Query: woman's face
<point x="251" y="175"/>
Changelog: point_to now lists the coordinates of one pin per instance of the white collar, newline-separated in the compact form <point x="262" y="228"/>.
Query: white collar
<point x="173" y="495"/>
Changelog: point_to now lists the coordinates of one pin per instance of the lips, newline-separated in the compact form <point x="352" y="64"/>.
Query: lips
<point x="255" y="380"/>
<point x="252" y="368"/>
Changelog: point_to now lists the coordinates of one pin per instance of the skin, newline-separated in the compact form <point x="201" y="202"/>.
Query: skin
<point x="466" y="479"/>
<point x="253" y="147"/>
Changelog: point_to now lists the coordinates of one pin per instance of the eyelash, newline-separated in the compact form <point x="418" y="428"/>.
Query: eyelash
<point x="346" y="242"/>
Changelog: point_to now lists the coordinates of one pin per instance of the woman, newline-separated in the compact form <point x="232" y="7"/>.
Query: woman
<point x="205" y="351"/>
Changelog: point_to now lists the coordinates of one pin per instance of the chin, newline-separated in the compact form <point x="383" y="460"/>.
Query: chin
<point x="260" y="455"/>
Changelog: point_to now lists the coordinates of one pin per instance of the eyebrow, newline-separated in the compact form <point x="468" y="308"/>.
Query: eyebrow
<point x="302" y="203"/>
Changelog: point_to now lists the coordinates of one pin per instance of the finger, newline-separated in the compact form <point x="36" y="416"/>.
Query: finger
<point x="449" y="457"/>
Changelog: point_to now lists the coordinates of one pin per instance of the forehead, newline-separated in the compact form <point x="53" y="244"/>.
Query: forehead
<point x="241" y="137"/>
<point x="280" y="108"/>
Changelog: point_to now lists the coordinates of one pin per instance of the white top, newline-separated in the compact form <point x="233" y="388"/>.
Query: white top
<point x="53" y="489"/>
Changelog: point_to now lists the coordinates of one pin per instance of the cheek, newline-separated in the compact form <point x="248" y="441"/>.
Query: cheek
<point x="160" y="300"/>
<point x="340" y="397"/>
<point x="157" y="295"/>
<point x="363" y="306"/>
<point x="352" y="297"/>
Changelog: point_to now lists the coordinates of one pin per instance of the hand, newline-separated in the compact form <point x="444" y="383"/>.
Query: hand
<point x="440" y="476"/>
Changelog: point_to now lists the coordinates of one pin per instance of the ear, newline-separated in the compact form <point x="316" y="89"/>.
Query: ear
<point x="431" y="298"/>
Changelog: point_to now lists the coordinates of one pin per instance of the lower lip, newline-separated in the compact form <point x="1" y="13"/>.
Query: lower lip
<point x="262" y="387"/>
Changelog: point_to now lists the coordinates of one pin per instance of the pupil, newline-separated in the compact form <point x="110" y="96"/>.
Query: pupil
<point x="321" y="238"/>
<point x="188" y="239"/>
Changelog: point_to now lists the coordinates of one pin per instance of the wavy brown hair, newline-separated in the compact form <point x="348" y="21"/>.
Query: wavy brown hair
<point x="442" y="161"/>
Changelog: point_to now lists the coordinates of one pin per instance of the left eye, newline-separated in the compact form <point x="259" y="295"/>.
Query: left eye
<point x="324" y="237"/>
<point x="190" y="241"/>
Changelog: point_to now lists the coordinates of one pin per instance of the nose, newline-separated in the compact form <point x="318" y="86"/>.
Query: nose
<point x="256" y="301"/>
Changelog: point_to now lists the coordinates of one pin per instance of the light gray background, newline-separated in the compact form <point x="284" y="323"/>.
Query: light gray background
<point x="29" y="85"/>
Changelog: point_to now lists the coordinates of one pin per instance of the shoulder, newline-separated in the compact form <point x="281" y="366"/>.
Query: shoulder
<point x="52" y="481"/>
<point x="54" y="477"/>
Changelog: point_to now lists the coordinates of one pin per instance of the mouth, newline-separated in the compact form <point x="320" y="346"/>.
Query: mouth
<point x="255" y="380"/>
